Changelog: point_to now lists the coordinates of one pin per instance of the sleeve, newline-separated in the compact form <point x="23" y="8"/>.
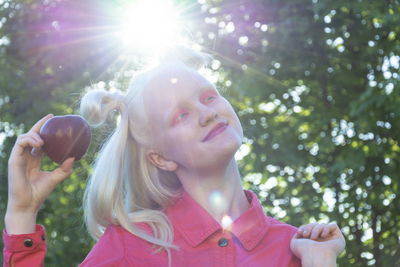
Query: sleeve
<point x="25" y="250"/>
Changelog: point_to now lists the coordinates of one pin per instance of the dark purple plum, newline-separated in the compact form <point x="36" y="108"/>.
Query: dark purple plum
<point x="65" y="136"/>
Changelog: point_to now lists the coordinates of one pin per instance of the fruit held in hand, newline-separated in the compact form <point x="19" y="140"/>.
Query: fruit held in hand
<point x="65" y="136"/>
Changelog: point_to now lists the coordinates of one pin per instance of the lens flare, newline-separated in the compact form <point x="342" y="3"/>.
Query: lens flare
<point x="218" y="202"/>
<point x="226" y="222"/>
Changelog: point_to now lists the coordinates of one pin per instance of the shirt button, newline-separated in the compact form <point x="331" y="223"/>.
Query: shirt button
<point x="223" y="242"/>
<point x="28" y="243"/>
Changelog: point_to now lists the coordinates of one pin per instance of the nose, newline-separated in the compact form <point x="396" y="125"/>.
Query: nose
<point x="207" y="115"/>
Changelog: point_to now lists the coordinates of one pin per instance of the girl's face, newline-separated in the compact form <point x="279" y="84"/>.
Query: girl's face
<point x="192" y="124"/>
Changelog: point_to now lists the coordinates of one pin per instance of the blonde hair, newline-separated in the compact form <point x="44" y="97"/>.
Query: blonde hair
<point x="125" y="188"/>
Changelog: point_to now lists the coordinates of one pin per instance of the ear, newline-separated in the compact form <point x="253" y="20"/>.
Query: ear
<point x="160" y="162"/>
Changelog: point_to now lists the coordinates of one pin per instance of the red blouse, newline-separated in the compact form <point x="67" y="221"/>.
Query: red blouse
<point x="253" y="239"/>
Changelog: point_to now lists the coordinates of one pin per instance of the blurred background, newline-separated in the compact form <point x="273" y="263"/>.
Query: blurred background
<point x="315" y="83"/>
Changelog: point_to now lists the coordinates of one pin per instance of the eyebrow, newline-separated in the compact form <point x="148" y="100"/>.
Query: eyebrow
<point x="201" y="89"/>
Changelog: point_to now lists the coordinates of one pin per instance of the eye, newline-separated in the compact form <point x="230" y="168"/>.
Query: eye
<point x="180" y="117"/>
<point x="209" y="96"/>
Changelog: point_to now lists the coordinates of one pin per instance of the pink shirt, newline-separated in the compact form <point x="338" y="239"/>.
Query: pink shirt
<point x="254" y="239"/>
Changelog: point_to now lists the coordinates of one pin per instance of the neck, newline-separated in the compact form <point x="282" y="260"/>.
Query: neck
<point x="220" y="191"/>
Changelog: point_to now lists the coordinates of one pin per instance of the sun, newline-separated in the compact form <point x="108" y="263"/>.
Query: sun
<point x="149" y="25"/>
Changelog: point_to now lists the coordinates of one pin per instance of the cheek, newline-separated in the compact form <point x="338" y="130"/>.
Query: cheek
<point x="238" y="127"/>
<point x="235" y="120"/>
<point x="175" y="144"/>
<point x="229" y="110"/>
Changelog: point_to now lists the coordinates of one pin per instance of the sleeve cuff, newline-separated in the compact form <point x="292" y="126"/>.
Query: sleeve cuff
<point x="25" y="242"/>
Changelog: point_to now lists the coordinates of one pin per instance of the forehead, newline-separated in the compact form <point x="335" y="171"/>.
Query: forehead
<point x="171" y="84"/>
<point x="176" y="77"/>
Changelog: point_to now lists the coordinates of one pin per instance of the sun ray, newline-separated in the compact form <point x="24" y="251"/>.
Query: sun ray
<point x="70" y="42"/>
<point x="251" y="70"/>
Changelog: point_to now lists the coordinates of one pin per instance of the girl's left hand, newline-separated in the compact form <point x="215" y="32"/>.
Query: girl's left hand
<point x="317" y="240"/>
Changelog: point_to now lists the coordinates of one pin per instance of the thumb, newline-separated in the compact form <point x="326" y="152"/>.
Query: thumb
<point x="294" y="246"/>
<point x="65" y="169"/>
<point x="296" y="235"/>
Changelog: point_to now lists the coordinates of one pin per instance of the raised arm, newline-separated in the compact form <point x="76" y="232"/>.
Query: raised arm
<point x="318" y="245"/>
<point x="28" y="187"/>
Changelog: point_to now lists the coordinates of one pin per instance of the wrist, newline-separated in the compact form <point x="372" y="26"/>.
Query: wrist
<point x="319" y="259"/>
<point x="18" y="222"/>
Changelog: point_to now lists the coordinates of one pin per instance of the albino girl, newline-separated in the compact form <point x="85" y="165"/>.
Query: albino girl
<point x="166" y="189"/>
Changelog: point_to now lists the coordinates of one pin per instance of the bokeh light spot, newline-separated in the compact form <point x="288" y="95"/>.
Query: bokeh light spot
<point x="217" y="202"/>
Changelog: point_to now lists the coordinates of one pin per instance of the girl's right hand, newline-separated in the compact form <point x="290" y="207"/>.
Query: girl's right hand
<point x="28" y="186"/>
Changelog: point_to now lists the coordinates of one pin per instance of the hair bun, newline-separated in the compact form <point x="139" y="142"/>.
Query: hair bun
<point x="97" y="104"/>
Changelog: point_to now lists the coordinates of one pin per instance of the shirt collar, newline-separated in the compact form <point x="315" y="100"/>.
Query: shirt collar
<point x="195" y="224"/>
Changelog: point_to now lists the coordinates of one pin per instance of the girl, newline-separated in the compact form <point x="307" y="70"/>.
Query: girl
<point x="166" y="189"/>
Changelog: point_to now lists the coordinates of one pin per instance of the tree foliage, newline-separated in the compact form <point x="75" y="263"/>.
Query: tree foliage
<point x="315" y="84"/>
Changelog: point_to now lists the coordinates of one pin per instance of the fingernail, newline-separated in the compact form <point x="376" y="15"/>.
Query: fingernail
<point x="36" y="151"/>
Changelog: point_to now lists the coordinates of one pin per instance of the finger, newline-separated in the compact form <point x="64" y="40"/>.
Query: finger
<point x="297" y="235"/>
<point x="62" y="172"/>
<point x="36" y="136"/>
<point x="316" y="231"/>
<point x="300" y="232"/>
<point x="37" y="152"/>
<point x="306" y="229"/>
<point x="24" y="141"/>
<point x="328" y="229"/>
<point x="36" y="161"/>
<point x="39" y="124"/>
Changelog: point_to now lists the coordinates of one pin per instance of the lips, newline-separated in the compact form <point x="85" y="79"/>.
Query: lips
<point x="219" y="128"/>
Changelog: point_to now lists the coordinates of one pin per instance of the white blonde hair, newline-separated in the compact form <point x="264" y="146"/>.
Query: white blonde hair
<point x="125" y="188"/>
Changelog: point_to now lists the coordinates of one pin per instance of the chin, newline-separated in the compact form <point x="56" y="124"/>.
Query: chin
<point x="229" y="147"/>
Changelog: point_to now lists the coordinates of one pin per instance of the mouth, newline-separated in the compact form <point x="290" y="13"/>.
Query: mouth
<point x="219" y="128"/>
